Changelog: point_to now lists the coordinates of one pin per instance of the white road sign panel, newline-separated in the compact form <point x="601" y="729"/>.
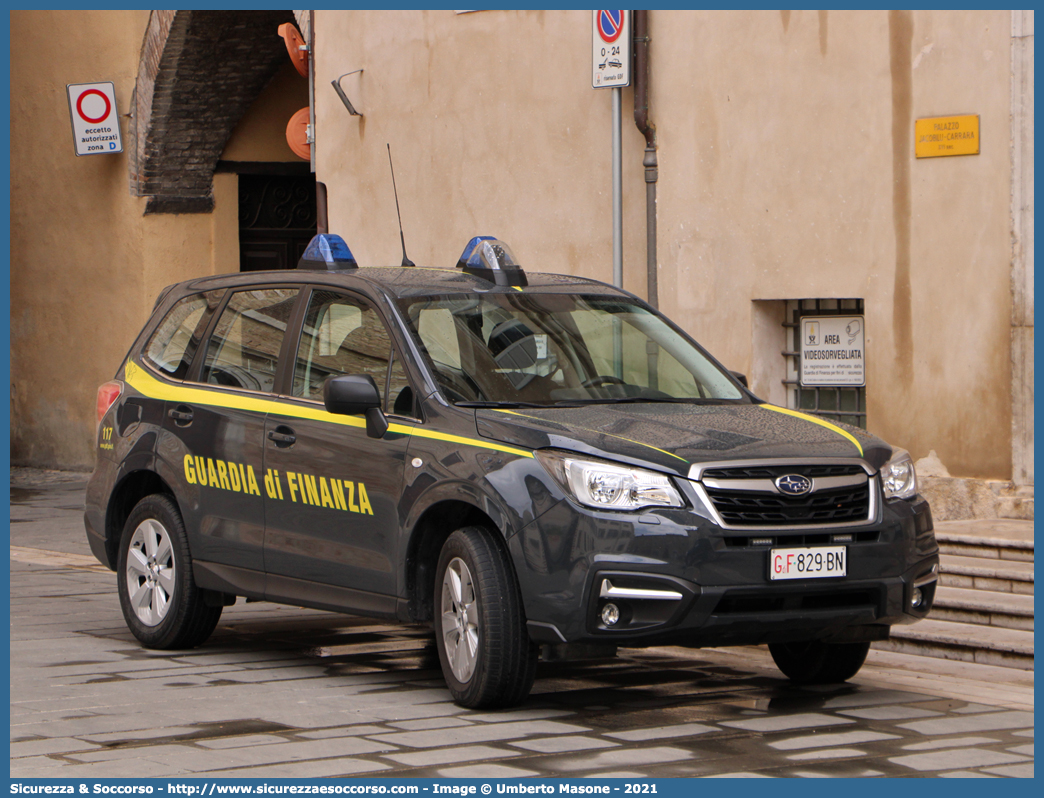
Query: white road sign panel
<point x="95" y="123"/>
<point x="832" y="350"/>
<point x="611" y="49"/>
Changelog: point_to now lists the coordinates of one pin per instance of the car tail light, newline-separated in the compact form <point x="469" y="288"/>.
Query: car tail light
<point x="108" y="393"/>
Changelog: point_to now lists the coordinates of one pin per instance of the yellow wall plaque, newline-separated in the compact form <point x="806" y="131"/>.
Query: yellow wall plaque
<point x="946" y="135"/>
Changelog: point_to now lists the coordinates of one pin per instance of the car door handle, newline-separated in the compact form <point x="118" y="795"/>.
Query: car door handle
<point x="282" y="436"/>
<point x="182" y="415"/>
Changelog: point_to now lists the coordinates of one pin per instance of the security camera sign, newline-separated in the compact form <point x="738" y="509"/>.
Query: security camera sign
<point x="832" y="350"/>
<point x="95" y="123"/>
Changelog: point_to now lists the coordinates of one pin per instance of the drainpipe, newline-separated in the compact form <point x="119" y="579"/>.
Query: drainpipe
<point x="311" y="89"/>
<point x="322" y="217"/>
<point x="647" y="129"/>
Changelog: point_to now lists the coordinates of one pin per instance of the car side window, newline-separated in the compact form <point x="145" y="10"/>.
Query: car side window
<point x="341" y="335"/>
<point x="400" y="399"/>
<point x="243" y="351"/>
<point x="176" y="339"/>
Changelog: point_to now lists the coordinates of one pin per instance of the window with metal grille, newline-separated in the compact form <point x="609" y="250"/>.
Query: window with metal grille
<point x="844" y="404"/>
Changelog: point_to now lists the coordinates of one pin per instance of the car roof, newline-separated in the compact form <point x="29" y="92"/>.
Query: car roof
<point x="400" y="282"/>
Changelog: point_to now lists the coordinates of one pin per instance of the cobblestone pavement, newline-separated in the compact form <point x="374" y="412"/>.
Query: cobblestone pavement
<point x="287" y="692"/>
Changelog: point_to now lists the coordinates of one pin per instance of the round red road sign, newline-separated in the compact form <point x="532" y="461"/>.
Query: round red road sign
<point x="79" y="106"/>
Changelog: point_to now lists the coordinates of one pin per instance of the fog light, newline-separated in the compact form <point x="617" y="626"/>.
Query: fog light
<point x="916" y="598"/>
<point x="610" y="614"/>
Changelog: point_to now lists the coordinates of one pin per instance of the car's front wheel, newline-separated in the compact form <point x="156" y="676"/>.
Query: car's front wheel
<point x="161" y="604"/>
<point x="816" y="662"/>
<point x="480" y="630"/>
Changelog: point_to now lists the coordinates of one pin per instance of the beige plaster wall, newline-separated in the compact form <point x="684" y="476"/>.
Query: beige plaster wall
<point x="488" y="138"/>
<point x="77" y="287"/>
<point x="783" y="174"/>
<point x="786" y="171"/>
<point x="785" y="181"/>
<point x="86" y="264"/>
<point x="961" y="248"/>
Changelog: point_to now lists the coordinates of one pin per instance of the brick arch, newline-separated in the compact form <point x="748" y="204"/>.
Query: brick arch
<point x="198" y="74"/>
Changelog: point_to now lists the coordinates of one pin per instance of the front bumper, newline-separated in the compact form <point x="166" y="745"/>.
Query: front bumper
<point x="677" y="578"/>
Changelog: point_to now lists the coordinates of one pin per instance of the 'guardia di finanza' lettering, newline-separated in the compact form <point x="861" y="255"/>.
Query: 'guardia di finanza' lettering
<point x="301" y="488"/>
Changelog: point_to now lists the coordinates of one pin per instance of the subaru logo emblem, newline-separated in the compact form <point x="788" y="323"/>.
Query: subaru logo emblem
<point x="794" y="485"/>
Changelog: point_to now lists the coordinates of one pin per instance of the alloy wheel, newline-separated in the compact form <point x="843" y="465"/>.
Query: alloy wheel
<point x="150" y="572"/>
<point x="460" y="620"/>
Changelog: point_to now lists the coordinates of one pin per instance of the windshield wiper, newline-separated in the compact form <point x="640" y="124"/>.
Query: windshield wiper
<point x="581" y="402"/>
<point x="498" y="404"/>
<point x="619" y="400"/>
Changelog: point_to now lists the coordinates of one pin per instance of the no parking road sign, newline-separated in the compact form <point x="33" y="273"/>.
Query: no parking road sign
<point x="611" y="49"/>
<point x="95" y="124"/>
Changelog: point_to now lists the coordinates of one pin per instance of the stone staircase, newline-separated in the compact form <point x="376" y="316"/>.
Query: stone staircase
<point x="983" y="610"/>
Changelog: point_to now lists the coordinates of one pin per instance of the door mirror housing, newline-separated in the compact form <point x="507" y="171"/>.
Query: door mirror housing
<point x="740" y="378"/>
<point x="352" y="394"/>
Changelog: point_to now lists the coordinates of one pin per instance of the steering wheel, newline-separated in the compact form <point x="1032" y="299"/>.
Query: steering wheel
<point x="602" y="379"/>
<point x="234" y="377"/>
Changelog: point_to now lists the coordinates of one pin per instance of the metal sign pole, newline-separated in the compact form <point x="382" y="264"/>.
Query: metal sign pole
<point x="611" y="69"/>
<point x="617" y="224"/>
<point x="617" y="191"/>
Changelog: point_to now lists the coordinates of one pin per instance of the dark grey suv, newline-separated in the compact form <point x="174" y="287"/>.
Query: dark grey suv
<point x="518" y="460"/>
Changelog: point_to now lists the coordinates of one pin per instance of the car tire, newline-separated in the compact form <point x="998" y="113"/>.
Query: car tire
<point x="486" y="655"/>
<point x="816" y="662"/>
<point x="161" y="603"/>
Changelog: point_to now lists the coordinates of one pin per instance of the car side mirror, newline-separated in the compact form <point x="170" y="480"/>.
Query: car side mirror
<point x="742" y="378"/>
<point x="352" y="394"/>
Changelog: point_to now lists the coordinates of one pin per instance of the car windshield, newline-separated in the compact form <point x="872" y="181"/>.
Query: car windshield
<point x="532" y="349"/>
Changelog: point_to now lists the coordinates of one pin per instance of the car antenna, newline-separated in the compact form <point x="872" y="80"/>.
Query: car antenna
<point x="405" y="261"/>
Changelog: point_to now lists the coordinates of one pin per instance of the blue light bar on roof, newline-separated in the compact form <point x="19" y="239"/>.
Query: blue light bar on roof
<point x="491" y="259"/>
<point x="326" y="252"/>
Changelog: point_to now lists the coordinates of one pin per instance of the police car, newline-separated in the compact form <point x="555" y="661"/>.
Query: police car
<point x="517" y="460"/>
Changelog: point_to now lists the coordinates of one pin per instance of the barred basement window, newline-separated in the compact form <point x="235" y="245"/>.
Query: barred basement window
<point x="844" y="404"/>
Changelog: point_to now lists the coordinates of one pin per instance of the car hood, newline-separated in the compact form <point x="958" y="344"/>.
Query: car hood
<point x="675" y="436"/>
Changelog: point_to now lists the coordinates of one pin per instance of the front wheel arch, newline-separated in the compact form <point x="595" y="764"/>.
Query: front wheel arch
<point x="429" y="534"/>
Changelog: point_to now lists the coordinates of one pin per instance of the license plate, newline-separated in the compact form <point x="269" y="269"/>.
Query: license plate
<point x="809" y="563"/>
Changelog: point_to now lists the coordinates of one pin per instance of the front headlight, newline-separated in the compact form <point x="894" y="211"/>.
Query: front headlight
<point x="608" y="486"/>
<point x="897" y="476"/>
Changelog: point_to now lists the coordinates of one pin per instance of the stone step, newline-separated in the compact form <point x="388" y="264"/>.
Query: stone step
<point x="986" y="573"/>
<point x="1015" y="507"/>
<point x="1006" y="528"/>
<point x="999" y="539"/>
<point x="983" y="607"/>
<point x="987" y="645"/>
<point x="1014" y="502"/>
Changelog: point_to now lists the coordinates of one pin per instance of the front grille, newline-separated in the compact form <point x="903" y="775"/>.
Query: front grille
<point x="771" y="472"/>
<point x="756" y="508"/>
